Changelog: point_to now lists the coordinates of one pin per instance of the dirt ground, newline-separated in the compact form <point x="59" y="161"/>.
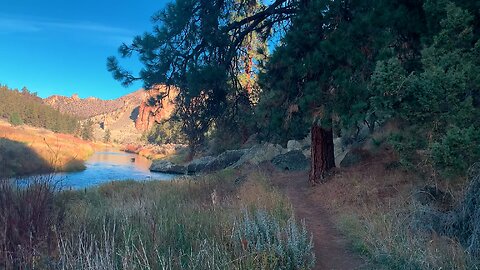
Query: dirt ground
<point x="331" y="247"/>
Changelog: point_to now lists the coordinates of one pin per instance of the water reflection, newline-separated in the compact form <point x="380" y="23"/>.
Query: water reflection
<point x="107" y="166"/>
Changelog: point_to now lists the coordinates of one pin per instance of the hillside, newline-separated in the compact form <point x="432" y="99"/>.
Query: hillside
<point x="127" y="117"/>
<point x="26" y="150"/>
<point x="91" y="106"/>
<point x="24" y="107"/>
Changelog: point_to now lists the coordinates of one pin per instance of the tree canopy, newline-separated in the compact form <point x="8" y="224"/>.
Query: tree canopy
<point x="24" y="107"/>
<point x="343" y="65"/>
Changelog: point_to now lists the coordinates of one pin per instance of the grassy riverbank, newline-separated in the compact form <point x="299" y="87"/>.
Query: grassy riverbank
<point x="28" y="150"/>
<point x="221" y="221"/>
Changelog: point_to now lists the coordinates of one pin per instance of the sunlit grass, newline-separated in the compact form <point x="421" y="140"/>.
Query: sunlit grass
<point x="56" y="152"/>
<point x="207" y="222"/>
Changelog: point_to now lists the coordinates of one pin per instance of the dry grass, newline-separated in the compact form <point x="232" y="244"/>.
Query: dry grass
<point x="375" y="208"/>
<point x="161" y="225"/>
<point x="61" y="152"/>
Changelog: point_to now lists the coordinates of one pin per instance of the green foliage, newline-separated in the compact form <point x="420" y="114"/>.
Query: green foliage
<point x="86" y="131"/>
<point x="167" y="131"/>
<point x="23" y="107"/>
<point x="15" y="119"/>
<point x="322" y="68"/>
<point x="457" y="149"/>
<point x="210" y="51"/>
<point x="345" y="64"/>
<point x="439" y="104"/>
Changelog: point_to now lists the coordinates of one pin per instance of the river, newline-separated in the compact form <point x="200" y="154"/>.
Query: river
<point x="106" y="166"/>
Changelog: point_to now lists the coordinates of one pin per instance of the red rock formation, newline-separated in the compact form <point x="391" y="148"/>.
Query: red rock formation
<point x="149" y="113"/>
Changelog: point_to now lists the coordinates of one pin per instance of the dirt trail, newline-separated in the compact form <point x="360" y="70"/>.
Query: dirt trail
<point x="331" y="247"/>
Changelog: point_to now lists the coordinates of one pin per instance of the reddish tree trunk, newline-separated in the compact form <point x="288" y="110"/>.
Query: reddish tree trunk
<point x="323" y="155"/>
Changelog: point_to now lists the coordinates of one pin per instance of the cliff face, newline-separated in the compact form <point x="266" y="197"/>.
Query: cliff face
<point x="153" y="110"/>
<point x="127" y="117"/>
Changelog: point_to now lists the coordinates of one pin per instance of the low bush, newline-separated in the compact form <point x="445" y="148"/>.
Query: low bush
<point x="29" y="217"/>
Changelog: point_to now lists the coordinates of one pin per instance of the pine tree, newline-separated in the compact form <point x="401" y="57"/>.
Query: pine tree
<point x="86" y="132"/>
<point x="197" y="49"/>
<point x="439" y="104"/>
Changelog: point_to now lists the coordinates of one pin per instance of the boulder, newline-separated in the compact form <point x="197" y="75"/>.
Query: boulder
<point x="260" y="153"/>
<point x="307" y="152"/>
<point x="199" y="165"/>
<point x="291" y="161"/>
<point x="294" y="145"/>
<point x="340" y="151"/>
<point x="224" y="160"/>
<point x="164" y="166"/>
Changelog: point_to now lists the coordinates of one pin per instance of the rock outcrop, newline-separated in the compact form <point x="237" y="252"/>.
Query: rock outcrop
<point x="201" y="165"/>
<point x="153" y="108"/>
<point x="89" y="107"/>
<point x="224" y="160"/>
<point x="291" y="161"/>
<point x="294" y="145"/>
<point x="260" y="153"/>
<point x="354" y="157"/>
<point x="126" y="117"/>
<point x="164" y="166"/>
<point x="198" y="165"/>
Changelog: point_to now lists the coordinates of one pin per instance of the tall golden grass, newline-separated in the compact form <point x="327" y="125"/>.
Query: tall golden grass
<point x="60" y="152"/>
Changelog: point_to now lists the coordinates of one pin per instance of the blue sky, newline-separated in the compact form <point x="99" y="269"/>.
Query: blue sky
<point x="61" y="46"/>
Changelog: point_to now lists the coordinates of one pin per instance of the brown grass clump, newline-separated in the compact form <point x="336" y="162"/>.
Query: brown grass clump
<point x="258" y="192"/>
<point x="28" y="220"/>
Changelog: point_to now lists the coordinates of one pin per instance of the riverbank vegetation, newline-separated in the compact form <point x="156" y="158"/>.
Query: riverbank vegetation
<point x="220" y="221"/>
<point x="26" y="150"/>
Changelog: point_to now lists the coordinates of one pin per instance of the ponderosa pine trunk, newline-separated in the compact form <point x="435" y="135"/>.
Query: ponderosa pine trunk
<point x="323" y="155"/>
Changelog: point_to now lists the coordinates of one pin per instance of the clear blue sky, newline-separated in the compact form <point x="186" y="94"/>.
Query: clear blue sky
<point x="61" y="46"/>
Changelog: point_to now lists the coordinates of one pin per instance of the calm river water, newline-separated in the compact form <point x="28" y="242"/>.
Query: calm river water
<point x="107" y="166"/>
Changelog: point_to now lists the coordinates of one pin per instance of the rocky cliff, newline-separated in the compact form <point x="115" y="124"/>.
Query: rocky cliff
<point x="127" y="117"/>
<point x="154" y="108"/>
<point x="91" y="106"/>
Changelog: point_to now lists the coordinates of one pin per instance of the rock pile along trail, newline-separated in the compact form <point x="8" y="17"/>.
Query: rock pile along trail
<point x="331" y="247"/>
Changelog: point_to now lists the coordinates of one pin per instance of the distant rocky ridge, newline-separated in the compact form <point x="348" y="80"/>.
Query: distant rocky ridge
<point x="126" y="117"/>
<point x="91" y="106"/>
